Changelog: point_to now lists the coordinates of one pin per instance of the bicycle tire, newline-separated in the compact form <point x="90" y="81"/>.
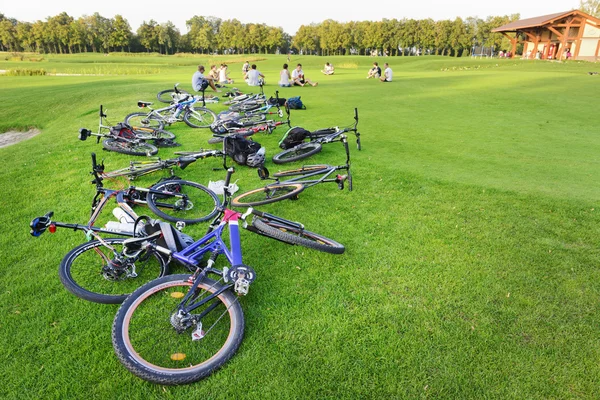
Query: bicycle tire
<point x="147" y="343"/>
<point x="301" y="171"/>
<point x="268" y="194"/>
<point x="144" y="120"/>
<point x="132" y="149"/>
<point x="292" y="235"/>
<point x="299" y="152"/>
<point x="199" y="117"/>
<point x="201" y="203"/>
<point x="98" y="285"/>
<point x="164" y="96"/>
<point x="152" y="133"/>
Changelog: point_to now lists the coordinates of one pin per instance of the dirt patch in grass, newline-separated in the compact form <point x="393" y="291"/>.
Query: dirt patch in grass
<point x="13" y="137"/>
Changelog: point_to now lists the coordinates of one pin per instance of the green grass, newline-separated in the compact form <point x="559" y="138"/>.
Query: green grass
<point x="471" y="268"/>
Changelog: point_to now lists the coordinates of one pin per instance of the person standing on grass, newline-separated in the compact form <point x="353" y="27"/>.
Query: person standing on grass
<point x="201" y="82"/>
<point x="299" y="79"/>
<point x="253" y="77"/>
<point x="387" y="73"/>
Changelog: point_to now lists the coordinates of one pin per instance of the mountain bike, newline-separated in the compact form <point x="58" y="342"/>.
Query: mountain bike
<point x="96" y="270"/>
<point x="185" y="109"/>
<point x="316" y="141"/>
<point x="302" y="178"/>
<point x="127" y="139"/>
<point x="179" y="329"/>
<point x="174" y="95"/>
<point x="140" y="168"/>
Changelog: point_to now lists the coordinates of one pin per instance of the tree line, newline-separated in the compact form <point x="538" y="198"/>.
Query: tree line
<point x="64" y="34"/>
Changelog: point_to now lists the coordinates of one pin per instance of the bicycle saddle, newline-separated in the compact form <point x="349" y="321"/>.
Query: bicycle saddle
<point x="142" y="104"/>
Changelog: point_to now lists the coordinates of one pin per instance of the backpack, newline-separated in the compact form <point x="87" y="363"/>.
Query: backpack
<point x="295" y="103"/>
<point x="122" y="130"/>
<point x="293" y="137"/>
<point x="239" y="148"/>
<point x="277" y="101"/>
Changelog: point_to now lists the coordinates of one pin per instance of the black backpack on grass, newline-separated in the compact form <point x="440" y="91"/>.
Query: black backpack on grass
<point x="293" y="137"/>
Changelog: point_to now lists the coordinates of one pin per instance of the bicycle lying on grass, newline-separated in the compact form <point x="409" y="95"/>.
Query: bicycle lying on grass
<point x="184" y="109"/>
<point x="302" y="178"/>
<point x="180" y="328"/>
<point x="140" y="168"/>
<point x="297" y="149"/>
<point x="127" y="139"/>
<point x="94" y="270"/>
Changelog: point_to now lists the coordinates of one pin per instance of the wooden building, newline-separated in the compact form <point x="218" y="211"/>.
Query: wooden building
<point x="555" y="36"/>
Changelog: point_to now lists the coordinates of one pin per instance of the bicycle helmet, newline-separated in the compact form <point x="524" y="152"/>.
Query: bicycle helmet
<point x="257" y="159"/>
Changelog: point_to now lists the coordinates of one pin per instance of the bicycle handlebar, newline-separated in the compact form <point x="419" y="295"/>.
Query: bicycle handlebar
<point x="39" y="224"/>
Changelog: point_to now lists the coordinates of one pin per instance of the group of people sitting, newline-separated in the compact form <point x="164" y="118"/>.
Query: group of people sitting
<point x="375" y="72"/>
<point x="296" y="78"/>
<point x="218" y="77"/>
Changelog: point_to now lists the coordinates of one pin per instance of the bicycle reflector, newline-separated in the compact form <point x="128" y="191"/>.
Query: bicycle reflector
<point x="52" y="228"/>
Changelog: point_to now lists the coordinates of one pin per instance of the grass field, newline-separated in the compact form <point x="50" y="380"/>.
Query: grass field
<point x="472" y="258"/>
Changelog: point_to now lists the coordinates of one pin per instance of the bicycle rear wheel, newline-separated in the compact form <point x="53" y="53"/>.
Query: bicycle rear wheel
<point x="185" y="201"/>
<point x="144" y="120"/>
<point x="155" y="344"/>
<point x="131" y="148"/>
<point x="90" y="271"/>
<point x="166" y="96"/>
<point x="298" y="152"/>
<point x="268" y="194"/>
<point x="293" y="235"/>
<point x="199" y="117"/>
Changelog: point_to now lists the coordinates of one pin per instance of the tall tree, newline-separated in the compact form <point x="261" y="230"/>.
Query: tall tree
<point x="591" y="7"/>
<point x="148" y="35"/>
<point x="121" y="33"/>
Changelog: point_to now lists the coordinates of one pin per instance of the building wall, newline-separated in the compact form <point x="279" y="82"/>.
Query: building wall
<point x="589" y="43"/>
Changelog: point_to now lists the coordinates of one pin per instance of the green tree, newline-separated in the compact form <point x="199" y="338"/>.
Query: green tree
<point x="148" y="35"/>
<point x="121" y="33"/>
<point x="59" y="30"/>
<point x="8" y="36"/>
<point x="306" y="39"/>
<point x="202" y="33"/>
<point x="168" y="37"/>
<point x="591" y="7"/>
<point x="24" y="36"/>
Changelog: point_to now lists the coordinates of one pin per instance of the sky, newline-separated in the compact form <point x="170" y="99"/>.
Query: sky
<point x="289" y="15"/>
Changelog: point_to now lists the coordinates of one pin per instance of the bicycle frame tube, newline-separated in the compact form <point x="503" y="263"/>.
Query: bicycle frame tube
<point x="212" y="242"/>
<point x="311" y="182"/>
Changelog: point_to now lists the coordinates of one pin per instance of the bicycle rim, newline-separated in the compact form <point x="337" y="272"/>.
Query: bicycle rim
<point x="199" y="204"/>
<point x="268" y="194"/>
<point x="154" y="345"/>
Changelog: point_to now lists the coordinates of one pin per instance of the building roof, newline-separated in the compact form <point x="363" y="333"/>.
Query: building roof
<point x="537" y="21"/>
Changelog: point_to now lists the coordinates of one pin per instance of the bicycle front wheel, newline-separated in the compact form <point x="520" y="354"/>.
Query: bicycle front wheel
<point x="293" y="235"/>
<point x="155" y="344"/>
<point x="131" y="148"/>
<point x="143" y="120"/>
<point x="199" y="117"/>
<point x="296" y="153"/>
<point x="90" y="271"/>
<point x="166" y="96"/>
<point x="185" y="201"/>
<point x="268" y="194"/>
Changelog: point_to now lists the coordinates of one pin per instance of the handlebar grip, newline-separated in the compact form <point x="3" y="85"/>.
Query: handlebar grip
<point x="94" y="164"/>
<point x="230" y="172"/>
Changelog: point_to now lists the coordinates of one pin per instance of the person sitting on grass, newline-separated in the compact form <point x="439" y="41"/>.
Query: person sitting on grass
<point x="224" y="78"/>
<point x="387" y="73"/>
<point x="284" y="77"/>
<point x="374" y="72"/>
<point x="327" y="69"/>
<point x="299" y="79"/>
<point x="201" y="82"/>
<point x="253" y="77"/>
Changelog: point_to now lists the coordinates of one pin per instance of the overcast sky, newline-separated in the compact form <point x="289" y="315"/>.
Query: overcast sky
<point x="287" y="14"/>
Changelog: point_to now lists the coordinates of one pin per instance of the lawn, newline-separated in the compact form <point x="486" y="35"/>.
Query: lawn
<point x="471" y="268"/>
